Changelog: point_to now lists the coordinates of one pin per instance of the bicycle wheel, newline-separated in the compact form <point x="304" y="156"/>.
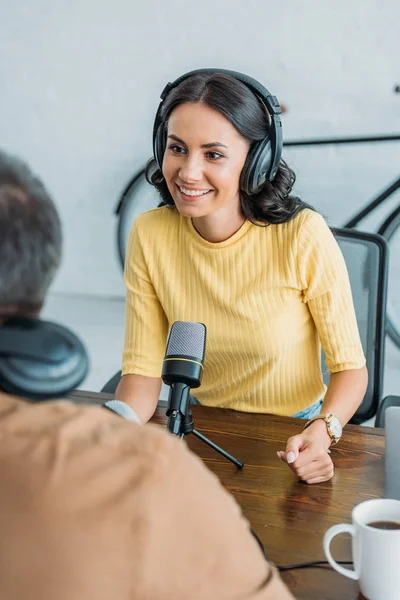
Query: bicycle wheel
<point x="137" y="197"/>
<point x="390" y="230"/>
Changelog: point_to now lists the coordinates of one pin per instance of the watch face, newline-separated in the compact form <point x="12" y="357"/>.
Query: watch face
<point x="335" y="427"/>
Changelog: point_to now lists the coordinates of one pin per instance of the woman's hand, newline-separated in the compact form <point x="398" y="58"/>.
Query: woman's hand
<point x="308" y="454"/>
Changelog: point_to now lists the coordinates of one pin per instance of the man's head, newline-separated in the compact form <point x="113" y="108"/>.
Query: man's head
<point x="30" y="239"/>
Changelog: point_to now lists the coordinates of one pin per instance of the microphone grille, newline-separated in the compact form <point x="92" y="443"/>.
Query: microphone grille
<point x="187" y="338"/>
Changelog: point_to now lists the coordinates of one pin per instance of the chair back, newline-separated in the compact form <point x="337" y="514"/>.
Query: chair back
<point x="366" y="257"/>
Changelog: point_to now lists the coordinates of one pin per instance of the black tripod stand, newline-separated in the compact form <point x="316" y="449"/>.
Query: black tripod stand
<point x="180" y="423"/>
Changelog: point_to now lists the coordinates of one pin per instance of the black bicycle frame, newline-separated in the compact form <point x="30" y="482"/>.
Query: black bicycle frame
<point x="357" y="140"/>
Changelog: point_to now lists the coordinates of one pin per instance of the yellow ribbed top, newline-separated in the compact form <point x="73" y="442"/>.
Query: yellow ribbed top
<point x="267" y="296"/>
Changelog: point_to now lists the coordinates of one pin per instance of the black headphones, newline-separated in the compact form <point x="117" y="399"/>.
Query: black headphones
<point x="40" y="360"/>
<point x="263" y="158"/>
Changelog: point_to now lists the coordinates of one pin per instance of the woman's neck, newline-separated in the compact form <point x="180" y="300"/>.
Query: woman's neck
<point x="218" y="226"/>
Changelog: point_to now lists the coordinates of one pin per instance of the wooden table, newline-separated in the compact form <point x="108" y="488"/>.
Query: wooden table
<point x="290" y="517"/>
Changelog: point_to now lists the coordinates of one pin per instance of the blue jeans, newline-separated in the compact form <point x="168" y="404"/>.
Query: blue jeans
<point x="310" y="411"/>
<point x="306" y="413"/>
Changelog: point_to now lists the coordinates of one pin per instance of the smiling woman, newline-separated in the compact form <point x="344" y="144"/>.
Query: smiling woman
<point x="231" y="247"/>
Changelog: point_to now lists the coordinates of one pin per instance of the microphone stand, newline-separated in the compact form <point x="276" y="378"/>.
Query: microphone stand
<point x="183" y="424"/>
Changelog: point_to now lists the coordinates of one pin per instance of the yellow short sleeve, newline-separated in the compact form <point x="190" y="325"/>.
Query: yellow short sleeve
<point x="146" y="324"/>
<point x="327" y="292"/>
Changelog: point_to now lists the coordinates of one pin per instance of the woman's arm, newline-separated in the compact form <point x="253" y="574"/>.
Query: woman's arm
<point x="327" y="292"/>
<point x="146" y="328"/>
<point x="307" y="454"/>
<point x="140" y="393"/>
<point x="344" y="395"/>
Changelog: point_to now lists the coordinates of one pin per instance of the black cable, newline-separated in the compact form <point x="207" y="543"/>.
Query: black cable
<point x="306" y="565"/>
<point x="313" y="563"/>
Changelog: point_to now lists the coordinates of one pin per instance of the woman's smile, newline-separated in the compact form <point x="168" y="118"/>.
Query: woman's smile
<point x="188" y="194"/>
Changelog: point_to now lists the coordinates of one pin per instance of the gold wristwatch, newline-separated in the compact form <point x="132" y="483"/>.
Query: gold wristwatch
<point x="333" y="426"/>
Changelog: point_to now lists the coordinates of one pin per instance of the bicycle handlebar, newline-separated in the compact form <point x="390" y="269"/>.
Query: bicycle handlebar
<point x="349" y="140"/>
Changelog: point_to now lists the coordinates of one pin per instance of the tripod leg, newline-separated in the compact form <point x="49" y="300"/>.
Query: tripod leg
<point x="203" y="438"/>
<point x="183" y="425"/>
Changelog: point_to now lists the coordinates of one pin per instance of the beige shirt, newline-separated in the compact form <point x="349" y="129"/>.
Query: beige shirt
<point x="93" y="507"/>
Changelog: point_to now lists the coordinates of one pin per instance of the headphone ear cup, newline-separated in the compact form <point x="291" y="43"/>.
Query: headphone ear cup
<point x="159" y="146"/>
<point x="40" y="360"/>
<point x="256" y="169"/>
<point x="246" y="171"/>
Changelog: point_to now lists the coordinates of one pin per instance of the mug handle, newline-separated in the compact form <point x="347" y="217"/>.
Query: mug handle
<point x="328" y="537"/>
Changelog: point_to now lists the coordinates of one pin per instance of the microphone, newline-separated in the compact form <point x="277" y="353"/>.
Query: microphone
<point x="182" y="368"/>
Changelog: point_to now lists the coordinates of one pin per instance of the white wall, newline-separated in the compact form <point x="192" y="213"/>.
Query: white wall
<point x="80" y="81"/>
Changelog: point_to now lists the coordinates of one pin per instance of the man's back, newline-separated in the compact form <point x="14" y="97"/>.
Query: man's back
<point x="93" y="507"/>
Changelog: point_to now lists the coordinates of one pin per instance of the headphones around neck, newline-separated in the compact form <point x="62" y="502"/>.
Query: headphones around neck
<point x="40" y="360"/>
<point x="263" y="159"/>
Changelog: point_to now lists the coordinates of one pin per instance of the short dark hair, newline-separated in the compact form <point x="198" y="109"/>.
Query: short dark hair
<point x="30" y="238"/>
<point x="237" y="103"/>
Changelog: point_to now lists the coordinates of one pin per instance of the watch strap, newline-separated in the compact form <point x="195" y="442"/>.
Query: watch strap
<point x="327" y="418"/>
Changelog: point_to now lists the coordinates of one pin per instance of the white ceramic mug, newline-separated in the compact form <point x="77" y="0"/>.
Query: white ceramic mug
<point x="376" y="552"/>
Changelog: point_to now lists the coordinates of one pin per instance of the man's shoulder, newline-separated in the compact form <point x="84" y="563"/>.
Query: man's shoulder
<point x="33" y="435"/>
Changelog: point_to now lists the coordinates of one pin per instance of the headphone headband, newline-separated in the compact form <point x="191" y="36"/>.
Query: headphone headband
<point x="264" y="157"/>
<point x="255" y="86"/>
<point x="40" y="360"/>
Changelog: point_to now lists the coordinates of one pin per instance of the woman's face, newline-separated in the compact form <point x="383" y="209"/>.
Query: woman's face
<point x="203" y="160"/>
